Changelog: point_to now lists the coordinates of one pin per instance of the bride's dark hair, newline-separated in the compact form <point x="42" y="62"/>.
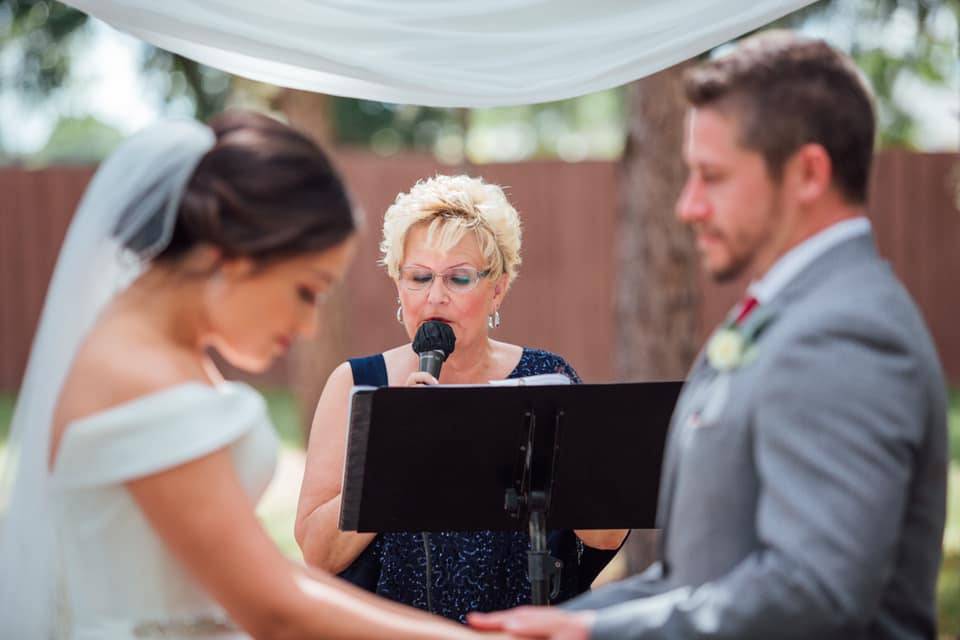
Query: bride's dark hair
<point x="263" y="191"/>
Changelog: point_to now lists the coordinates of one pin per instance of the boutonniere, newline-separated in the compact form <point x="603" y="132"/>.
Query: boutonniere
<point x="734" y="345"/>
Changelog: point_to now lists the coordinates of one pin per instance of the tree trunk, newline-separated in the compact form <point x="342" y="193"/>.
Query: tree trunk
<point x="311" y="361"/>
<point x="657" y="290"/>
<point x="307" y="112"/>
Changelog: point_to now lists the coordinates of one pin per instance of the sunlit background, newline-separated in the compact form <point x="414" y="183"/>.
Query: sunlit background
<point x="68" y="79"/>
<point x="72" y="87"/>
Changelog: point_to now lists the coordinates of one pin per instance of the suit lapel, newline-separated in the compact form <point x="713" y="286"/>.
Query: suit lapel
<point x="702" y="374"/>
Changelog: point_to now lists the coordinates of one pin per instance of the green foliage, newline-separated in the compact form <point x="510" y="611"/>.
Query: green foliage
<point x="389" y="127"/>
<point x="955" y="426"/>
<point x="205" y="87"/>
<point x="948" y="597"/>
<point x="931" y="57"/>
<point x="78" y="141"/>
<point x="283" y="410"/>
<point x="948" y="586"/>
<point x="278" y="509"/>
<point x="593" y="126"/>
<point x="43" y="35"/>
<point x="6" y="415"/>
<point x="279" y="523"/>
<point x="590" y="126"/>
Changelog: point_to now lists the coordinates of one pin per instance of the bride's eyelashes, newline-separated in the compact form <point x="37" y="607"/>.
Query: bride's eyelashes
<point x="307" y="295"/>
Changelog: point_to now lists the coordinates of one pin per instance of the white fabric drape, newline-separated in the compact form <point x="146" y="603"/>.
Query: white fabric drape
<point x="452" y="53"/>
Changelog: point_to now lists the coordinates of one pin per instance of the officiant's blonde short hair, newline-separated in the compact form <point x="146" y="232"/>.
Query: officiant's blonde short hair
<point x="451" y="207"/>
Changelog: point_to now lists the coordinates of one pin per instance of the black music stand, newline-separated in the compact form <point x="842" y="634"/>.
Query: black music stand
<point x="503" y="458"/>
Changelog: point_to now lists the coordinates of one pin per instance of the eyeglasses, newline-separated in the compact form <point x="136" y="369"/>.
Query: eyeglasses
<point x="456" y="280"/>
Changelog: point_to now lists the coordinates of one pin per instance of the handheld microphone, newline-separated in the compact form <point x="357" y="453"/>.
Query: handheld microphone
<point x="434" y="343"/>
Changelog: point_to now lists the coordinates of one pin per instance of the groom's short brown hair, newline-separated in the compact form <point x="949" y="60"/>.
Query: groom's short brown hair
<point x="786" y="91"/>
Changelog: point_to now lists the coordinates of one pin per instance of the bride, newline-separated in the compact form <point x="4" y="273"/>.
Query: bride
<point x="133" y="467"/>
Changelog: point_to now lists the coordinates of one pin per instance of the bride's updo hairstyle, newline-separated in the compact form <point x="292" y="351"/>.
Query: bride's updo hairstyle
<point x="264" y="191"/>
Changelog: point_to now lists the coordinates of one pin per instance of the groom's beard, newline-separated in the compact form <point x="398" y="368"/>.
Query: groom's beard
<point x="747" y="246"/>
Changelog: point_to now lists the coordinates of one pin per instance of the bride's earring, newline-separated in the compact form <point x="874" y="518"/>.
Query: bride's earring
<point x="494" y="321"/>
<point x="399" y="311"/>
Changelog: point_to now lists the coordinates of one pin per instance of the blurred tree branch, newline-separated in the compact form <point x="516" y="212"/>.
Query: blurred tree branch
<point x="932" y="57"/>
<point x="43" y="35"/>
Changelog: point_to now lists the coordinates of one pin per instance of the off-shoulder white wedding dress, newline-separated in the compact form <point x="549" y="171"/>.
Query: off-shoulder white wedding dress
<point x="119" y="579"/>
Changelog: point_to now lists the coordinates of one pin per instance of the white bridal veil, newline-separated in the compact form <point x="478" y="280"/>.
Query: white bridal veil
<point x="132" y="201"/>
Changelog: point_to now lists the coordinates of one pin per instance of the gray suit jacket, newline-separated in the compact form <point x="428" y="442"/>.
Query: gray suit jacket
<point x="803" y="494"/>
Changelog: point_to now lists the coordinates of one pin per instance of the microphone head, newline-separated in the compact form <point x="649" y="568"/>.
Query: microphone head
<point x="435" y="336"/>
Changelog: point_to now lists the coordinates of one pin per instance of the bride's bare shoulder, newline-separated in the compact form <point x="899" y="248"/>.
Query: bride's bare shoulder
<point x="115" y="365"/>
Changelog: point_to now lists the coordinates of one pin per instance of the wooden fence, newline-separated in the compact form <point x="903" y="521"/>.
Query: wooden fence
<point x="563" y="300"/>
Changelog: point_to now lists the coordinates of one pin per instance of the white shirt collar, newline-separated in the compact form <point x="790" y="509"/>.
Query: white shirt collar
<point x="801" y="256"/>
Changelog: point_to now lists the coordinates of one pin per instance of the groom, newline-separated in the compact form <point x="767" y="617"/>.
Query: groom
<point x="803" y="491"/>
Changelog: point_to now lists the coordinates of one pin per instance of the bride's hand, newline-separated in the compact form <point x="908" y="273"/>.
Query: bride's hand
<point x="420" y="378"/>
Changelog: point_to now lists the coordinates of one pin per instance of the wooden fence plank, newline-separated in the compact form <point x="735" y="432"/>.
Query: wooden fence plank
<point x="563" y="300"/>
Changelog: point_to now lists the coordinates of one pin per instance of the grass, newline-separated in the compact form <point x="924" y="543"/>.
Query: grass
<point x="278" y="507"/>
<point x="955" y="425"/>
<point x="277" y="510"/>
<point x="6" y="415"/>
<point x="948" y="587"/>
<point x="285" y="415"/>
<point x="951" y="537"/>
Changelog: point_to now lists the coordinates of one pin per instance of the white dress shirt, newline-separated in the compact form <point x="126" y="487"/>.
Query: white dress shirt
<point x="801" y="256"/>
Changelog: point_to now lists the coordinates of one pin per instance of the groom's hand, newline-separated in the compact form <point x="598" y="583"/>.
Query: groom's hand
<point x="536" y="622"/>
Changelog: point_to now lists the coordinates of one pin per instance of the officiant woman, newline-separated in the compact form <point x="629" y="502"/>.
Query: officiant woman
<point x="452" y="247"/>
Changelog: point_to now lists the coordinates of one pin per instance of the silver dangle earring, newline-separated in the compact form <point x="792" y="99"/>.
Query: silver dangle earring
<point x="399" y="311"/>
<point x="494" y="321"/>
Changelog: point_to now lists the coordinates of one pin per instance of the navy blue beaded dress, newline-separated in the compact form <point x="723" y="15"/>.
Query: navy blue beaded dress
<point x="470" y="571"/>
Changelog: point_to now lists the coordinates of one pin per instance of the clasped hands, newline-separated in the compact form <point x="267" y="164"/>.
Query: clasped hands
<point x="536" y="622"/>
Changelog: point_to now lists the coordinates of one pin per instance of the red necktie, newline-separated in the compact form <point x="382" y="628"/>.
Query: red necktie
<point x="749" y="304"/>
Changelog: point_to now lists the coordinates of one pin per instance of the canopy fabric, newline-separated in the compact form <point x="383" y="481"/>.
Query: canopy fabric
<point x="449" y="53"/>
